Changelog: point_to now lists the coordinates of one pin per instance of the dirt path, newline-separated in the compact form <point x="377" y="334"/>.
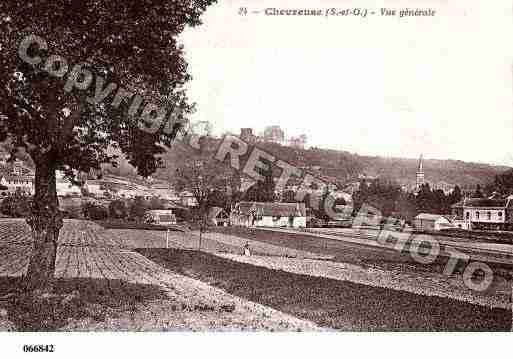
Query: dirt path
<point x="126" y="291"/>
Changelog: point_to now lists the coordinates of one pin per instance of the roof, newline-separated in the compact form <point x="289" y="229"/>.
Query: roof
<point x="159" y="211"/>
<point x="174" y="205"/>
<point x="11" y="178"/>
<point x="481" y="202"/>
<point x="8" y="170"/>
<point x="166" y="186"/>
<point x="273" y="209"/>
<point x="430" y="217"/>
<point x="214" y="212"/>
<point x="93" y="183"/>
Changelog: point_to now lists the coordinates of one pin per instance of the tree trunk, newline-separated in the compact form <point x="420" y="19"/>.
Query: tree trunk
<point x="45" y="221"/>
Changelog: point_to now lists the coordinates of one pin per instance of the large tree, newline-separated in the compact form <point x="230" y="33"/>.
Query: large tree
<point x="478" y="193"/>
<point x="201" y="174"/>
<point x="75" y="76"/>
<point x="263" y="190"/>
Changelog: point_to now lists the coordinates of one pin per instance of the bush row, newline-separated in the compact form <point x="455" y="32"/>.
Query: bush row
<point x="19" y="205"/>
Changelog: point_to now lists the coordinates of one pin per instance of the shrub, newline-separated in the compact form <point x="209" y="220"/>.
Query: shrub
<point x="117" y="209"/>
<point x="73" y="212"/>
<point x="95" y="211"/>
<point x="138" y="208"/>
<point x="157" y="203"/>
<point x="183" y="214"/>
<point x="17" y="205"/>
<point x="71" y="207"/>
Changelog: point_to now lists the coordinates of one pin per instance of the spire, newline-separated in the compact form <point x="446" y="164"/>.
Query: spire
<point x="420" y="175"/>
<point x="420" y="170"/>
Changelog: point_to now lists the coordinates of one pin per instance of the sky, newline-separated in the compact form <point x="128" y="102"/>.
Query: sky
<point x="387" y="86"/>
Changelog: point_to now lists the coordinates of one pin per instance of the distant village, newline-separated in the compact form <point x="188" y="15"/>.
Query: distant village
<point x="485" y="213"/>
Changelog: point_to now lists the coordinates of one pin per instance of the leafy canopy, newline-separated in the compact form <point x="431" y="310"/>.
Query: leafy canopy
<point x="131" y="43"/>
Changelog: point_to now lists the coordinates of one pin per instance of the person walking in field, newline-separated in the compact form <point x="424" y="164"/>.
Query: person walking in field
<point x="247" y="252"/>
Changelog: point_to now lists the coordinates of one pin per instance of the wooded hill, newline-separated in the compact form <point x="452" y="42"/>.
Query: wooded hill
<point x="346" y="166"/>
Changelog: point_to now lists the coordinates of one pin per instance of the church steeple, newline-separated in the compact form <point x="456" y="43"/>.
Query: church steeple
<point x="420" y="174"/>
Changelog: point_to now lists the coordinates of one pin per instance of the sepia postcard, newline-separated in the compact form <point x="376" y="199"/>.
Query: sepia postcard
<point x="245" y="170"/>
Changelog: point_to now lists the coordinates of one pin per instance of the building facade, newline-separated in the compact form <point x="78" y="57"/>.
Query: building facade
<point x="432" y="222"/>
<point x="160" y="217"/>
<point x="64" y="186"/>
<point x="298" y="142"/>
<point x="260" y="214"/>
<point x="15" y="177"/>
<point x="274" y="134"/>
<point x="484" y="213"/>
<point x="17" y="183"/>
<point x="246" y="135"/>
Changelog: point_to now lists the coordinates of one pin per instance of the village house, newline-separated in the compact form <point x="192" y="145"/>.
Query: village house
<point x="187" y="199"/>
<point x="246" y="135"/>
<point x="14" y="177"/>
<point x="14" y="183"/>
<point x="65" y="188"/>
<point x="162" y="217"/>
<point x="95" y="188"/>
<point x="217" y="216"/>
<point x="274" y="134"/>
<point x="164" y="190"/>
<point x="484" y="213"/>
<point x="432" y="222"/>
<point x="259" y="214"/>
<point x="447" y="188"/>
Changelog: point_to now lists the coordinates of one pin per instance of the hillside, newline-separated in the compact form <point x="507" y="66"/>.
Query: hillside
<point x="343" y="165"/>
<point x="346" y="166"/>
<point x="465" y="174"/>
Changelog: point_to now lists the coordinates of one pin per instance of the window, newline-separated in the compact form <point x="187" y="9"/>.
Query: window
<point x="499" y="214"/>
<point x="477" y="215"/>
<point x="468" y="215"/>
<point x="489" y="215"/>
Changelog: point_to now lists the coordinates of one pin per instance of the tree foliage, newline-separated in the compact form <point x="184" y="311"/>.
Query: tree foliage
<point x="391" y="201"/>
<point x="218" y="198"/>
<point x="264" y="189"/>
<point x="478" y="193"/>
<point x="16" y="205"/>
<point x="138" y="208"/>
<point x="116" y="40"/>
<point x="118" y="209"/>
<point x="128" y="45"/>
<point x="95" y="211"/>
<point x="201" y="174"/>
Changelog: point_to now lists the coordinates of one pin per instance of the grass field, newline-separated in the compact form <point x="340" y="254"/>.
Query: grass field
<point x="332" y="303"/>
<point x="387" y="259"/>
<point x="103" y="285"/>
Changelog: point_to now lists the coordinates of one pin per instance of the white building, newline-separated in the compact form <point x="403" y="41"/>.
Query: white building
<point x="484" y="213"/>
<point x="15" y="176"/>
<point x="432" y="222"/>
<point x="65" y="187"/>
<point x="161" y="216"/>
<point x="218" y="217"/>
<point x="22" y="183"/>
<point x="274" y="134"/>
<point x="164" y="190"/>
<point x="187" y="199"/>
<point x="95" y="188"/>
<point x="260" y="214"/>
